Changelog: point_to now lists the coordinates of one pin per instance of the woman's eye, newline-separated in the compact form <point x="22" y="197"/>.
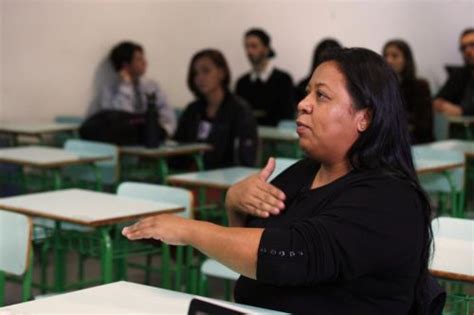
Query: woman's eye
<point x="320" y="95"/>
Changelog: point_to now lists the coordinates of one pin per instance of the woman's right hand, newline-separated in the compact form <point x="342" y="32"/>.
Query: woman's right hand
<point x="254" y="196"/>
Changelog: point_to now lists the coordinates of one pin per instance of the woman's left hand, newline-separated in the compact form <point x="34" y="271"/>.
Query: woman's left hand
<point x="168" y="228"/>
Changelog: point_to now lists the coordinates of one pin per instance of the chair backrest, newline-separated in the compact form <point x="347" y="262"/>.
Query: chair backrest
<point x="161" y="193"/>
<point x="64" y="119"/>
<point x="211" y="267"/>
<point x="461" y="229"/>
<point x="287" y="124"/>
<point x="110" y="168"/>
<point x="15" y="242"/>
<point x="281" y="165"/>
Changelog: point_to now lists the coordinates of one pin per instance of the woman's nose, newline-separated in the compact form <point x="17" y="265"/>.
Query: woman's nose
<point x="304" y="106"/>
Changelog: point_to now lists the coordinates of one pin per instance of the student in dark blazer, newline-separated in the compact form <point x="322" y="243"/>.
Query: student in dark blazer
<point x="217" y="116"/>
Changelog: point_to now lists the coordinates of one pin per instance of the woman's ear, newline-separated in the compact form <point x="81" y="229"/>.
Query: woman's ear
<point x="364" y="119"/>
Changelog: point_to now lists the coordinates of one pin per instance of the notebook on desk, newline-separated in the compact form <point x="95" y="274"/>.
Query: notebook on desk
<point x="200" y="307"/>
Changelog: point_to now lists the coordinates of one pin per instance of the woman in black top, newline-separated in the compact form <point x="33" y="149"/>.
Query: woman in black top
<point x="217" y="117"/>
<point x="345" y="231"/>
<point x="416" y="92"/>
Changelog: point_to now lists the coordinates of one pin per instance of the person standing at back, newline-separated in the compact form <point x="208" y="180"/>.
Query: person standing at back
<point x="268" y="89"/>
<point x="129" y="91"/>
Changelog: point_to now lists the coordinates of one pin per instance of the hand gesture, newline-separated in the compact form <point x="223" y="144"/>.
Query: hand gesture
<point x="254" y="196"/>
<point x="168" y="228"/>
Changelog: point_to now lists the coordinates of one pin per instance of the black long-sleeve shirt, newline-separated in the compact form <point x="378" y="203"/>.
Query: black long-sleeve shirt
<point x="350" y="247"/>
<point x="418" y="107"/>
<point x="233" y="133"/>
<point x="274" y="97"/>
<point x="459" y="89"/>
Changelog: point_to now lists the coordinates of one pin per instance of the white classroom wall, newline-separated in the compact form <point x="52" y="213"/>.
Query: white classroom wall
<point x="52" y="56"/>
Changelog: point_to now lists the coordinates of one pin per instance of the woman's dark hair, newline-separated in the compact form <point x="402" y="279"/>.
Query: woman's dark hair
<point x="122" y="54"/>
<point x="217" y="59"/>
<point x="321" y="48"/>
<point x="409" y="70"/>
<point x="384" y="145"/>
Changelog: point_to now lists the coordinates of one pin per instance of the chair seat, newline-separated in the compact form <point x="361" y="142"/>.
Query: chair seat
<point x="213" y="268"/>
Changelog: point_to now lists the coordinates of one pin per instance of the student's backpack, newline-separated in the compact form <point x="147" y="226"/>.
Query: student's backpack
<point x="118" y="127"/>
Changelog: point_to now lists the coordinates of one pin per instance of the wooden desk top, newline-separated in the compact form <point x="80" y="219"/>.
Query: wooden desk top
<point x="45" y="157"/>
<point x="35" y="129"/>
<point x="219" y="178"/>
<point x="464" y="146"/>
<point x="121" y="298"/>
<point x="85" y="207"/>
<point x="453" y="259"/>
<point x="429" y="160"/>
<point x="166" y="150"/>
<point x="464" y="120"/>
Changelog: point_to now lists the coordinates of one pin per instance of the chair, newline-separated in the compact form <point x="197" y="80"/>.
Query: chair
<point x="213" y="268"/>
<point x="60" y="138"/>
<point x="107" y="171"/>
<point x="173" y="195"/>
<point x="68" y="119"/>
<point x="449" y="183"/>
<point x="287" y="124"/>
<point x="282" y="164"/>
<point x="16" y="254"/>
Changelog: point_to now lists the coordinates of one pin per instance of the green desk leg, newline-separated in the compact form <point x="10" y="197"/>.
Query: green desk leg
<point x="59" y="261"/>
<point x="57" y="179"/>
<point x="2" y="288"/>
<point x="468" y="130"/>
<point x="106" y="252"/>
<point x="163" y="170"/>
<point x="27" y="278"/>
<point x="457" y="205"/>
<point x="198" y="159"/>
<point x="98" y="177"/>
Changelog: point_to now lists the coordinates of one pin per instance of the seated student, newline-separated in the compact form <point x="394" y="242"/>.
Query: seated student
<point x="456" y="97"/>
<point x="217" y="116"/>
<point x="321" y="47"/>
<point x="268" y="90"/>
<point x="344" y="231"/>
<point x="129" y="91"/>
<point x="415" y="91"/>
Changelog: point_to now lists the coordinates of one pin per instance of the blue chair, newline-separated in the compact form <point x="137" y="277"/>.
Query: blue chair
<point x="69" y="119"/>
<point x="107" y="171"/>
<point x="449" y="183"/>
<point x="213" y="268"/>
<point x="16" y="254"/>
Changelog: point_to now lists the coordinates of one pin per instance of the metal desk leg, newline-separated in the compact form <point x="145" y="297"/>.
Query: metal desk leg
<point x="469" y="135"/>
<point x="57" y="179"/>
<point x="59" y="261"/>
<point x="198" y="159"/>
<point x="162" y="170"/>
<point x="456" y="206"/>
<point x="106" y="252"/>
<point x="2" y="288"/>
<point x="98" y="177"/>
